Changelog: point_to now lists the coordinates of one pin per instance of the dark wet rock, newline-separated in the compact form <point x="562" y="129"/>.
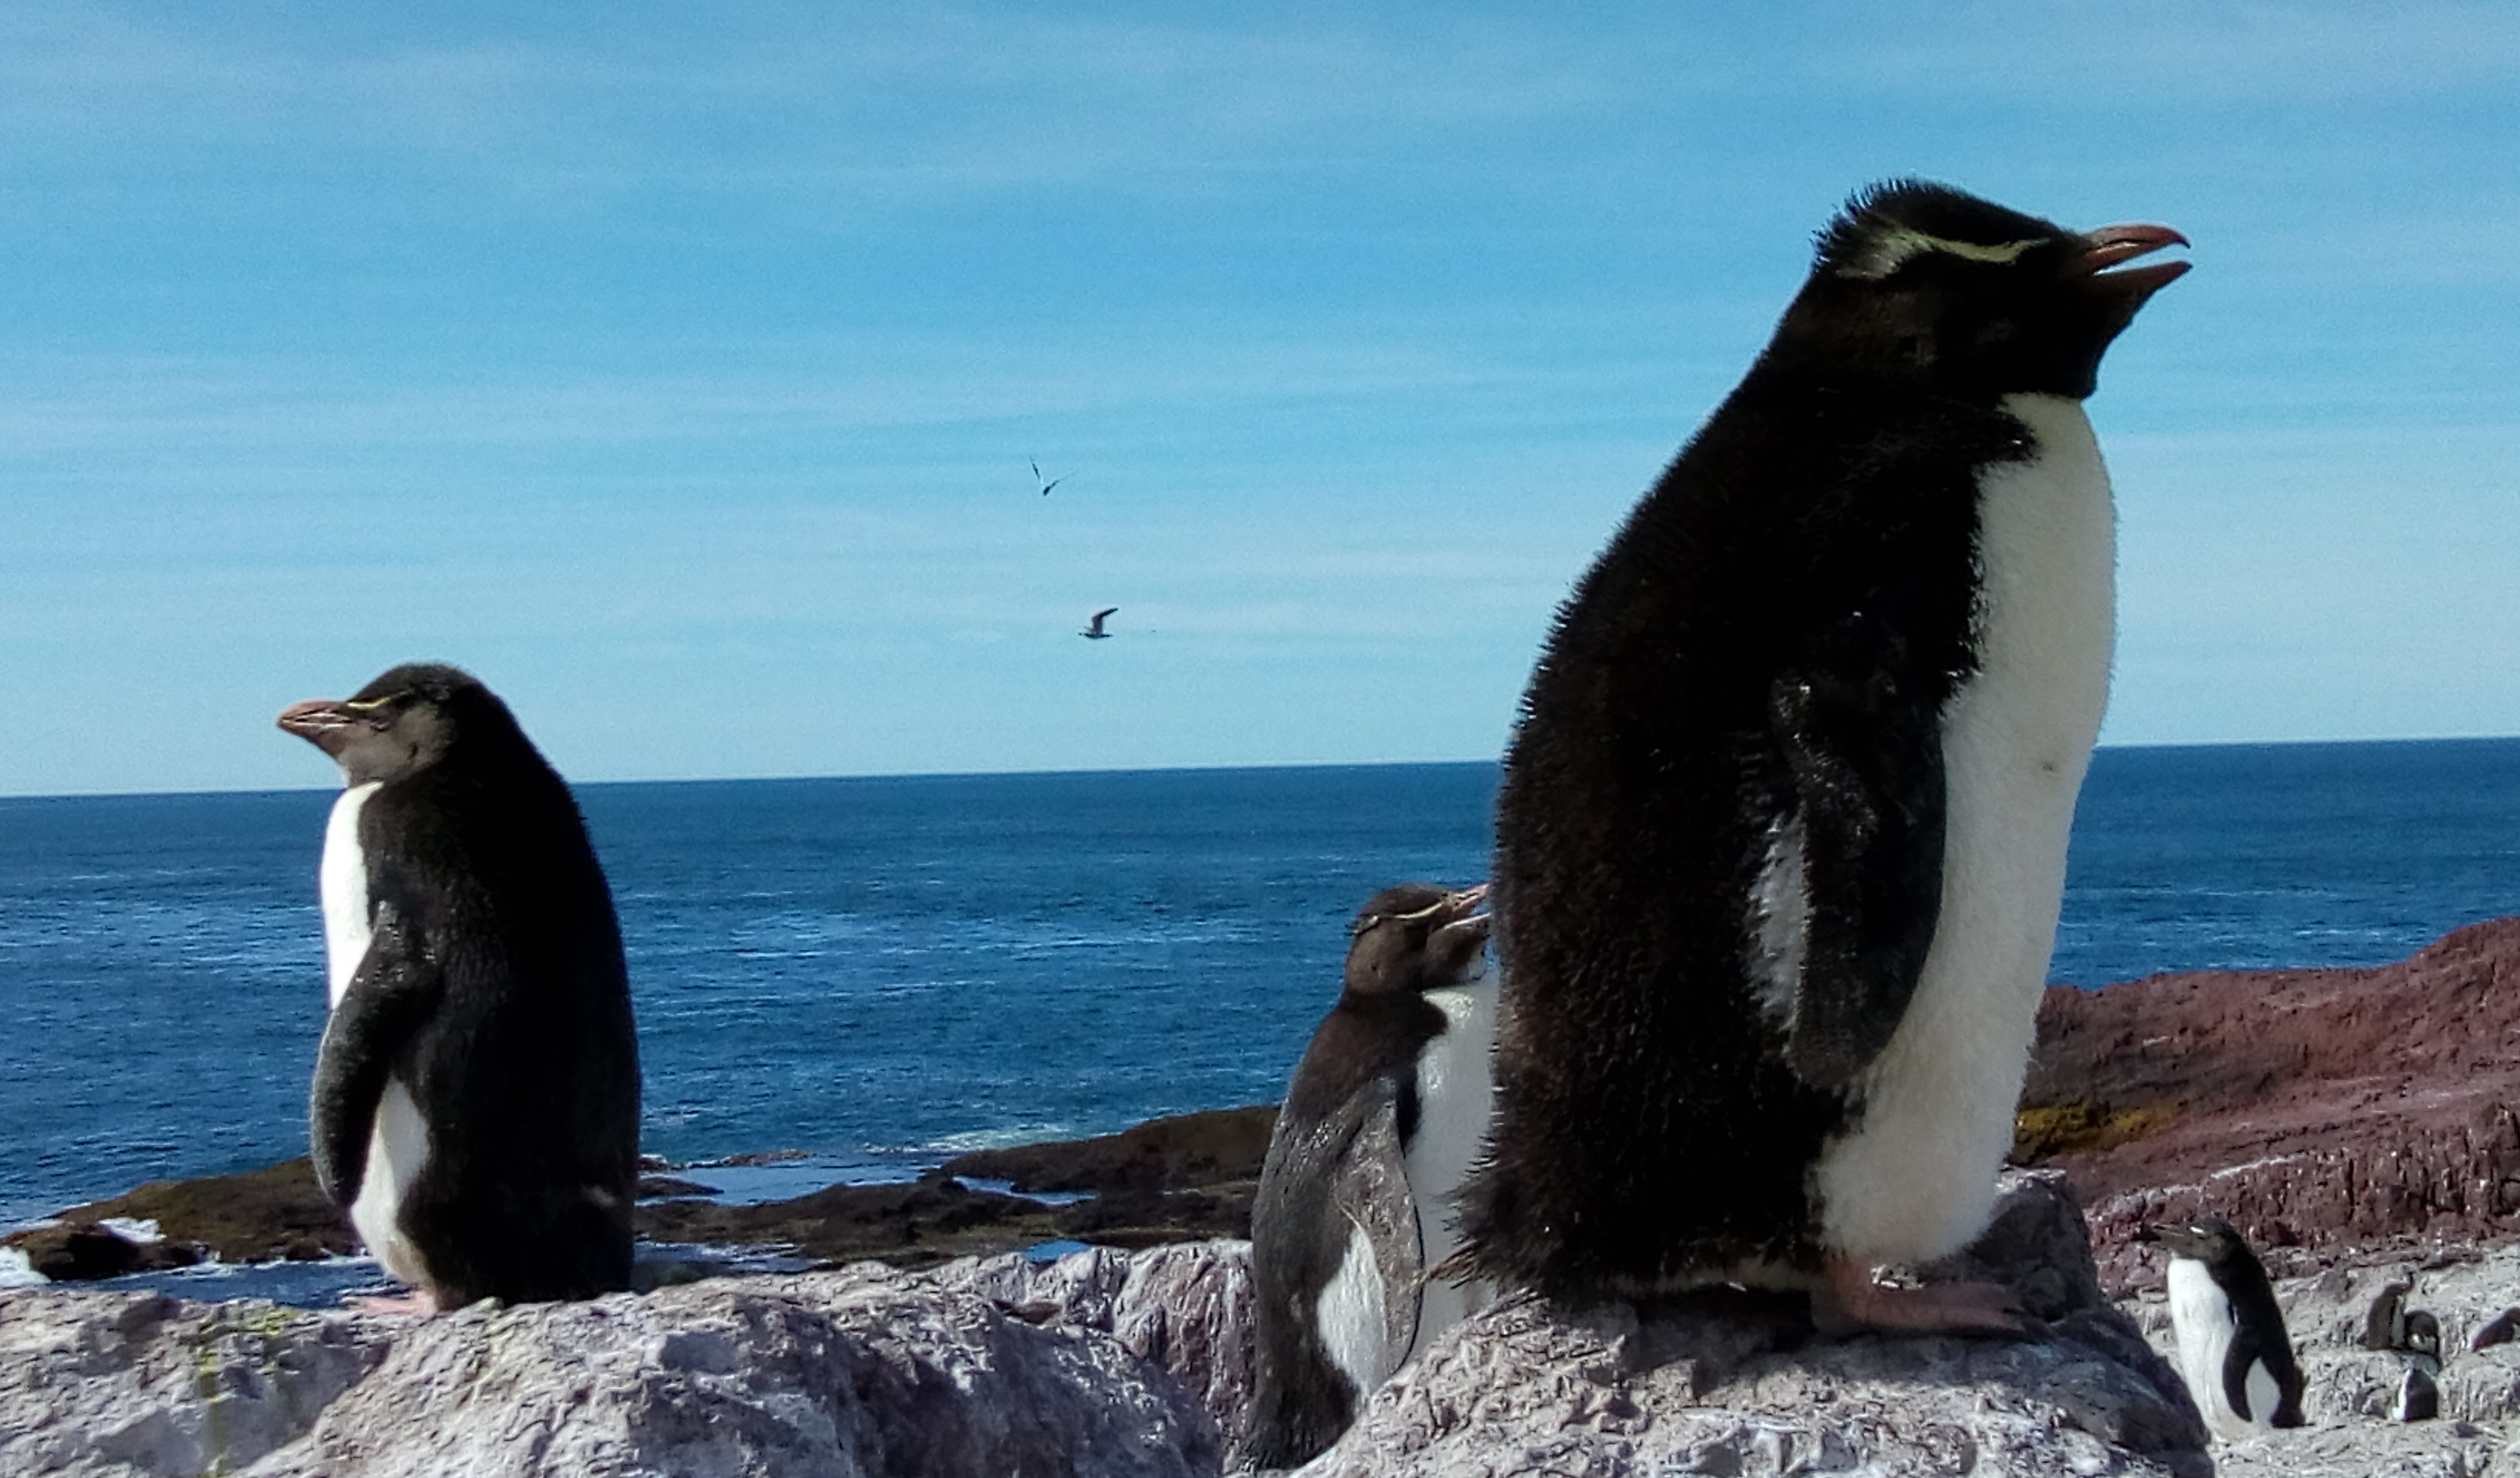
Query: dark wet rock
<point x="81" y="1251"/>
<point x="259" y="1216"/>
<point x="1151" y="1219"/>
<point x="913" y="1224"/>
<point x="666" y="1187"/>
<point x="2326" y="1113"/>
<point x="1178" y="1180"/>
<point x="1185" y="1152"/>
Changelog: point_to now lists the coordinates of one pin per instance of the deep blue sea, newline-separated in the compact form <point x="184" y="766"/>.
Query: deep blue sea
<point x="887" y="971"/>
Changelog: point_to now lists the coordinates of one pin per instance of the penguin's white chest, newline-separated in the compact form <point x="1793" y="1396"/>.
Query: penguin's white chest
<point x="1915" y="1178"/>
<point x="1355" y="1311"/>
<point x="342" y="885"/>
<point x="1455" y="1095"/>
<point x="398" y="1136"/>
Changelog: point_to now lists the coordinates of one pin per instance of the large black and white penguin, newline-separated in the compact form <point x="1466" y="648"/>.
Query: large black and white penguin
<point x="476" y="1104"/>
<point x="1379" y="1124"/>
<point x="1781" y="836"/>
<point x="2233" y="1351"/>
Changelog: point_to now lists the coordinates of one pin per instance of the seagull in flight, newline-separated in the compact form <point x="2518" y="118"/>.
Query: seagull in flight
<point x="1052" y="483"/>
<point x="1094" y="631"/>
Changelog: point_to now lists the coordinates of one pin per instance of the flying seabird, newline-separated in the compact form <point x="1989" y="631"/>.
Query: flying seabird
<point x="1094" y="631"/>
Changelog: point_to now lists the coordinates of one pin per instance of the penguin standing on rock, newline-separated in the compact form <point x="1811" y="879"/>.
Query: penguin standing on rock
<point x="1355" y="1201"/>
<point x="2233" y="1351"/>
<point x="1781" y="836"/>
<point x="475" y="1105"/>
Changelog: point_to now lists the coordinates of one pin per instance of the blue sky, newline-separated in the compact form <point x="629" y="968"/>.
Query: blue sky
<point x="677" y="367"/>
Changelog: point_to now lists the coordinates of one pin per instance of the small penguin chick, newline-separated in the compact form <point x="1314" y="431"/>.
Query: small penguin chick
<point x="1380" y="1120"/>
<point x="1415" y="938"/>
<point x="2234" y="1353"/>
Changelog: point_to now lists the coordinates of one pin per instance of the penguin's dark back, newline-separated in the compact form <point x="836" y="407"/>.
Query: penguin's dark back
<point x="1356" y="1044"/>
<point x="487" y="854"/>
<point x="1814" y="524"/>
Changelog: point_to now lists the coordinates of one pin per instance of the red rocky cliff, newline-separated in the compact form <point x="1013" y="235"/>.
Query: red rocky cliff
<point x="2330" y="1113"/>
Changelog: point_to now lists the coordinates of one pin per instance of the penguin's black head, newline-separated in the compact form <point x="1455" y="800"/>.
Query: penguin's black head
<point x="1926" y="283"/>
<point x="1416" y="938"/>
<point x="400" y="723"/>
<point x="2210" y="1241"/>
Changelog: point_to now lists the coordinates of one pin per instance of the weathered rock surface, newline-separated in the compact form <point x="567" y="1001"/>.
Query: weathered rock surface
<point x="1734" y="1384"/>
<point x="1187" y="1307"/>
<point x="119" y="1385"/>
<point x="866" y="1370"/>
<point x="2326" y="1114"/>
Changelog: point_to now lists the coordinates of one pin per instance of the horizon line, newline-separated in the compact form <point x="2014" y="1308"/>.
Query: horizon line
<point x="1058" y="772"/>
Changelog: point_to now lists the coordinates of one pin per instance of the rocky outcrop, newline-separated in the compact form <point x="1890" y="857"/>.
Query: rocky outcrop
<point x="2329" y="1115"/>
<point x="866" y="1370"/>
<point x="1734" y="1383"/>
<point x="1186" y="1308"/>
<point x="138" y="1385"/>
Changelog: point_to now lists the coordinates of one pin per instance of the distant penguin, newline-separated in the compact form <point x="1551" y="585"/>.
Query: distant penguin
<point x="476" y="1104"/>
<point x="2384" y="1323"/>
<point x="2498" y="1331"/>
<point x="1379" y="1124"/>
<point x="2419" y="1397"/>
<point x="2233" y="1351"/>
<point x="1781" y="836"/>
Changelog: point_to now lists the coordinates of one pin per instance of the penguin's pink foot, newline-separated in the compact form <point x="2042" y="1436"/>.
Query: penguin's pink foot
<point x="418" y="1301"/>
<point x="1852" y="1302"/>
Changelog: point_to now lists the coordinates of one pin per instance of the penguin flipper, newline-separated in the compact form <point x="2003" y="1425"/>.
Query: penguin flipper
<point x="1370" y="1190"/>
<point x="2239" y="1357"/>
<point x="392" y="993"/>
<point x="1865" y="831"/>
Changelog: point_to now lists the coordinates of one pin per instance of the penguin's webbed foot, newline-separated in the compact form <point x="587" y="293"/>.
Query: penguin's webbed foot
<point x="1854" y="1302"/>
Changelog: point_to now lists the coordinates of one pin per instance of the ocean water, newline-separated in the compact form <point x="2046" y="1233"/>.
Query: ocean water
<point x="886" y="971"/>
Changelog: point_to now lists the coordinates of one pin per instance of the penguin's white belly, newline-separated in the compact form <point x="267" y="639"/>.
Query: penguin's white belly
<point x="397" y="1148"/>
<point x="342" y="885"/>
<point x="2202" y="1324"/>
<point x="1915" y="1179"/>
<point x="1455" y="1093"/>
<point x="1350" y="1313"/>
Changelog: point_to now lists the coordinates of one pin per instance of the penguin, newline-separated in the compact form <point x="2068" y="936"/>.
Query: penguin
<point x="2419" y="1397"/>
<point x="2496" y="1331"/>
<point x="476" y="1100"/>
<point x="2384" y="1323"/>
<point x="2233" y="1351"/>
<point x="1781" y="838"/>
<point x="1379" y="1124"/>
